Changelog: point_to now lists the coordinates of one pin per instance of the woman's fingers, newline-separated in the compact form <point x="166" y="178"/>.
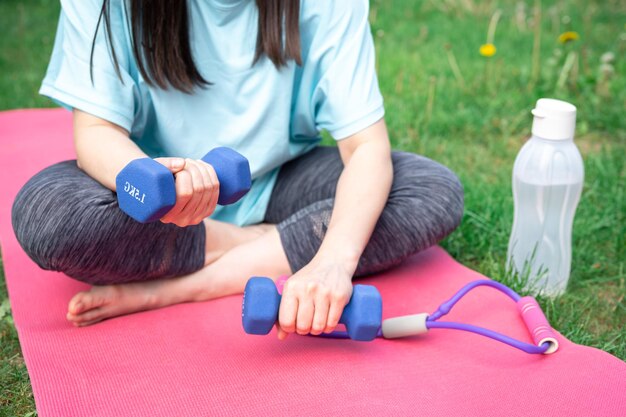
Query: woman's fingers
<point x="320" y="318"/>
<point x="287" y="311"/>
<point x="334" y="314"/>
<point x="310" y="307"/>
<point x="193" y="207"/>
<point x="184" y="193"/>
<point x="173" y="164"/>
<point x="203" y="192"/>
<point x="282" y="335"/>
<point x="213" y="184"/>
<point x="197" y="191"/>
<point x="189" y="187"/>
<point x="305" y="315"/>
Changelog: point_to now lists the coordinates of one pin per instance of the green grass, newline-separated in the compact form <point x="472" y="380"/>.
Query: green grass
<point x="476" y="128"/>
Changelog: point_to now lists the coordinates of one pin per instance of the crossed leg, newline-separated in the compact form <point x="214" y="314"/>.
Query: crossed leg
<point x="224" y="274"/>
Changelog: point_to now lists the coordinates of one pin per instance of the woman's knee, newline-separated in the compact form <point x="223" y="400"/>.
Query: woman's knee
<point x="67" y="222"/>
<point x="427" y="194"/>
<point x="424" y="206"/>
<point x="54" y="215"/>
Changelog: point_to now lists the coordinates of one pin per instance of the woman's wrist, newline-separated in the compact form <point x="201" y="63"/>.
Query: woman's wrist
<point x="343" y="255"/>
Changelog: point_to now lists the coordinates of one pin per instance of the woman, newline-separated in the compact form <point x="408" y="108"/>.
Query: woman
<point x="172" y="80"/>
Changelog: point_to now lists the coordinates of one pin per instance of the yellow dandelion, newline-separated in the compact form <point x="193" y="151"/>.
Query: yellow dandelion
<point x="487" y="50"/>
<point x="566" y="37"/>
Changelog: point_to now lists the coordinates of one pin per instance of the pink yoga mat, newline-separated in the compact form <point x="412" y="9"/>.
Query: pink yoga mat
<point x="195" y="359"/>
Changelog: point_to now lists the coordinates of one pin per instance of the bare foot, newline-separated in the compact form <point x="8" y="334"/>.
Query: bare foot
<point x="102" y="302"/>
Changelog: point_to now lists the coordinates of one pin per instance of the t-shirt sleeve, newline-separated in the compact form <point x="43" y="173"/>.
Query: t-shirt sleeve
<point x="346" y="98"/>
<point x="72" y="82"/>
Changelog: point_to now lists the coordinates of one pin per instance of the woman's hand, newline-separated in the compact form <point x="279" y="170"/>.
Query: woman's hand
<point x="313" y="298"/>
<point x="197" y="190"/>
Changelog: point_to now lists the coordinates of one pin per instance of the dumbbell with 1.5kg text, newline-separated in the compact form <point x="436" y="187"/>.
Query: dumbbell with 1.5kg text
<point x="146" y="190"/>
<point x="362" y="316"/>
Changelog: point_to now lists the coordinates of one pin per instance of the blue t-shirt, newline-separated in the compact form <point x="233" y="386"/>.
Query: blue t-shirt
<point x="270" y="116"/>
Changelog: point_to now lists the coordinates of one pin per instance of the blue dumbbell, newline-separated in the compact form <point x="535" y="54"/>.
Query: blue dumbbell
<point x="146" y="190"/>
<point x="362" y="316"/>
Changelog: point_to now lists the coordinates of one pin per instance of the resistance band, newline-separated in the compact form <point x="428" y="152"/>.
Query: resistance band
<point x="536" y="322"/>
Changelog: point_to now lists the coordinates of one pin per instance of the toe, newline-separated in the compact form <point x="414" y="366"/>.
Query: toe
<point x="78" y="303"/>
<point x="97" y="319"/>
<point x="87" y="300"/>
<point x="89" y="323"/>
<point x="89" y="317"/>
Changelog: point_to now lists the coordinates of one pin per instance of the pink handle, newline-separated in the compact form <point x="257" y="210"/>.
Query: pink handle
<point x="537" y="324"/>
<point x="280" y="283"/>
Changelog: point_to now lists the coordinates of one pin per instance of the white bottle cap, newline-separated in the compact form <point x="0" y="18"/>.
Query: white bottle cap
<point x="554" y="119"/>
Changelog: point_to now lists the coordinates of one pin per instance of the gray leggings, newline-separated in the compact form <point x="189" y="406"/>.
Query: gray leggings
<point x="66" y="221"/>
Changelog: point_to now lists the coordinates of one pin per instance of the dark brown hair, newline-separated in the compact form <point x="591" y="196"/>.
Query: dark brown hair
<point x="160" y="40"/>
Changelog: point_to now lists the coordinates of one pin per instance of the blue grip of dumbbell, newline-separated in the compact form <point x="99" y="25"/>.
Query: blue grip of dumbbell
<point x="145" y="190"/>
<point x="260" y="305"/>
<point x="233" y="172"/>
<point x="368" y="309"/>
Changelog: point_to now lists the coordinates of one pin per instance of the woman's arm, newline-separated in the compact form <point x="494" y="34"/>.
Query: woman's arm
<point x="362" y="193"/>
<point x="103" y="149"/>
<point x="314" y="298"/>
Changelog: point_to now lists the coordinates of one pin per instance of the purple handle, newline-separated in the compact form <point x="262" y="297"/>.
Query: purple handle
<point x="537" y="323"/>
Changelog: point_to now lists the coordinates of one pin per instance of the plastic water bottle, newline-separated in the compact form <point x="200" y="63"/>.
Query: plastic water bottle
<point x="547" y="182"/>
